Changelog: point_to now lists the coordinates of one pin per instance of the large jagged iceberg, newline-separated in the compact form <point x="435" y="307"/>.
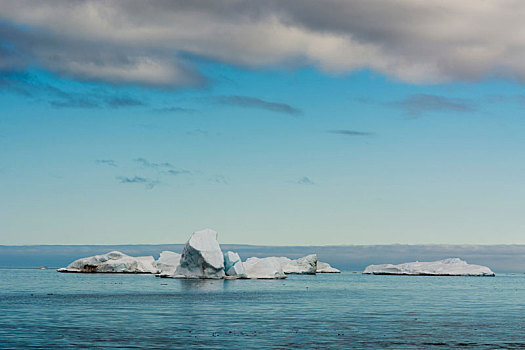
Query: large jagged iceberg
<point x="446" y="267"/>
<point x="233" y="265"/>
<point x="168" y="262"/>
<point x="263" y="268"/>
<point x="323" y="267"/>
<point x="113" y="262"/>
<point x="202" y="257"/>
<point x="306" y="265"/>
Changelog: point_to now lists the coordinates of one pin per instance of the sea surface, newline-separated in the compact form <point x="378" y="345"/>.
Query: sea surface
<point x="46" y="309"/>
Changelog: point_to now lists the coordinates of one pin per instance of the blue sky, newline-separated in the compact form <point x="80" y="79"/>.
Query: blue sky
<point x="267" y="149"/>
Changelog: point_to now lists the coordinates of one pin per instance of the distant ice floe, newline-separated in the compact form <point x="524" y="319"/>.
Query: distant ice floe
<point x="446" y="267"/>
<point x="201" y="258"/>
<point x="113" y="262"/>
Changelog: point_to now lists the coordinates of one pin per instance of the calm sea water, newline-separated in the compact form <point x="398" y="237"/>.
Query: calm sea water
<point x="46" y="309"/>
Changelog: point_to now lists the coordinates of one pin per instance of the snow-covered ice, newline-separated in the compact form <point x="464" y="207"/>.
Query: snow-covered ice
<point x="323" y="267"/>
<point x="306" y="265"/>
<point x="202" y="257"/>
<point x="113" y="262"/>
<point x="233" y="265"/>
<point x="446" y="267"/>
<point x="168" y="262"/>
<point x="263" y="268"/>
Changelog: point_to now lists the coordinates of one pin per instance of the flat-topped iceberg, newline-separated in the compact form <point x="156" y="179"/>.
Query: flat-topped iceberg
<point x="323" y="267"/>
<point x="306" y="265"/>
<point x="233" y="265"/>
<point x="113" y="262"/>
<point x="168" y="262"/>
<point x="202" y="257"/>
<point x="264" y="268"/>
<point x="446" y="267"/>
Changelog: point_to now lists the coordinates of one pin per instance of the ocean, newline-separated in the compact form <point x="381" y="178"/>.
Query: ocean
<point x="46" y="309"/>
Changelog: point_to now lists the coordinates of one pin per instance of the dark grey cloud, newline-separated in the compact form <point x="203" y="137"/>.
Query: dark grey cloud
<point x="254" y="102"/>
<point x="137" y="42"/>
<point x="305" y="181"/>
<point x="347" y="132"/>
<point x="418" y="104"/>
<point x="146" y="163"/>
<point x="149" y="183"/>
<point x="108" y="162"/>
<point x="87" y="58"/>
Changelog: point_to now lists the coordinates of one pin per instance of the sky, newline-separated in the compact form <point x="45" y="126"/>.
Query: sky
<point x="272" y="122"/>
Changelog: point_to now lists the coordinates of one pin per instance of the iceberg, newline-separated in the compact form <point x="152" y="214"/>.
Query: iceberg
<point x="306" y="265"/>
<point x="202" y="257"/>
<point x="323" y="267"/>
<point x="233" y="265"/>
<point x="168" y="262"/>
<point x="112" y="262"/>
<point x="264" y="268"/>
<point x="446" y="267"/>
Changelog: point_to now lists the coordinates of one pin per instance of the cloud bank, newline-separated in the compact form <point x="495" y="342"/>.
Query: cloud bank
<point x="157" y="43"/>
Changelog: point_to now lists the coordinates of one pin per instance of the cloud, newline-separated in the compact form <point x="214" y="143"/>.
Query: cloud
<point x="418" y="104"/>
<point x="305" y="181"/>
<point x="174" y="110"/>
<point x="253" y="102"/>
<point x="74" y="102"/>
<point x="123" y="102"/>
<point x="175" y="172"/>
<point x="149" y="183"/>
<point x="137" y="42"/>
<point x="12" y="83"/>
<point x="108" y="162"/>
<point x="350" y="132"/>
<point x="145" y="163"/>
<point x="26" y="85"/>
<point x="161" y="169"/>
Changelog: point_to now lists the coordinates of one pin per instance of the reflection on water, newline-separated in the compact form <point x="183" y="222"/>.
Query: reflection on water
<point x="200" y="285"/>
<point x="45" y="309"/>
